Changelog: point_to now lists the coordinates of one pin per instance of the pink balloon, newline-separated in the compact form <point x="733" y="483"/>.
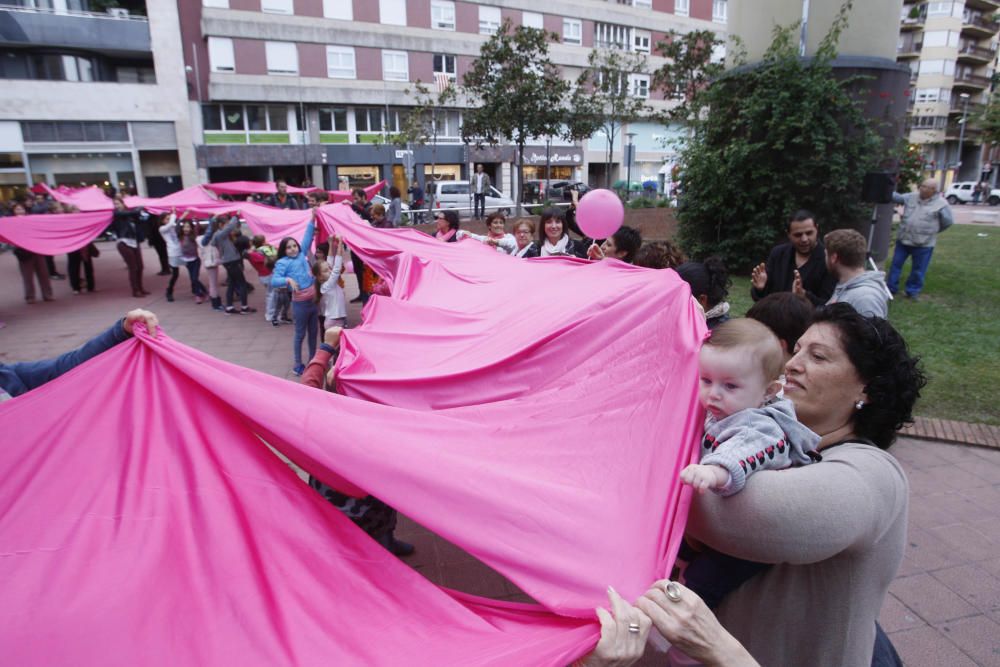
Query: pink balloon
<point x="600" y="213"/>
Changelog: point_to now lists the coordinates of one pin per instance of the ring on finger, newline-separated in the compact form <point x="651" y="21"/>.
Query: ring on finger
<point x="633" y="628"/>
<point x="673" y="591"/>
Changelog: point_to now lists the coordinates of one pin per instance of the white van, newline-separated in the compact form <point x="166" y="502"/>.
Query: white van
<point x="457" y="195"/>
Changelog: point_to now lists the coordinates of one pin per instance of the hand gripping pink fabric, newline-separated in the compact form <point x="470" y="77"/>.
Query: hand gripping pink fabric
<point x="153" y="527"/>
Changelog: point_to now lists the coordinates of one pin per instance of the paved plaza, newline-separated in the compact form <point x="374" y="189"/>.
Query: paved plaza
<point x="943" y="608"/>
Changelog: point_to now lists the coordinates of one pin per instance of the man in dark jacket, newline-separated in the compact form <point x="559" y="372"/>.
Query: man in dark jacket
<point x="281" y="199"/>
<point x="802" y="258"/>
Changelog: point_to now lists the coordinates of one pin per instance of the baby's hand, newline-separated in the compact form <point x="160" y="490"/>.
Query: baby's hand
<point x="703" y="477"/>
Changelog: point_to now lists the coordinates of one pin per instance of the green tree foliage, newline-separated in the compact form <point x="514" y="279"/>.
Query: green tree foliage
<point x="688" y="71"/>
<point x="603" y="98"/>
<point x="779" y="136"/>
<point x="911" y="166"/>
<point x="989" y="120"/>
<point x="517" y="93"/>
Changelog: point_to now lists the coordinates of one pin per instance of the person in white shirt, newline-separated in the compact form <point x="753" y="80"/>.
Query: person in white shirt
<point x="496" y="235"/>
<point x="481" y="185"/>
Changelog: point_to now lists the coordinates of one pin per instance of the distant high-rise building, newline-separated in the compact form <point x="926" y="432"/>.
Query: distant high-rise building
<point x="93" y="97"/>
<point x="951" y="49"/>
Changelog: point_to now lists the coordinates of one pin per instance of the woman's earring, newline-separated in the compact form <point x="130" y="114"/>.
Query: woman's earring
<point x="859" y="405"/>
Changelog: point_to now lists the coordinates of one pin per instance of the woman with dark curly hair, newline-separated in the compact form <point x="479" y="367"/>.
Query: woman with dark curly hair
<point x="834" y="531"/>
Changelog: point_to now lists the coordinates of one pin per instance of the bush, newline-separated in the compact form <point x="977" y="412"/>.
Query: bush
<point x="780" y="136"/>
<point x="642" y="202"/>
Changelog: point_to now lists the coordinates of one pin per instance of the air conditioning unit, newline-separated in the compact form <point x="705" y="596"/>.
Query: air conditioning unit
<point x="118" y="12"/>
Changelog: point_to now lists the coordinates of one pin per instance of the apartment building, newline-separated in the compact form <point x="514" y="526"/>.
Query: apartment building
<point x="951" y="49"/>
<point x="93" y="97"/>
<point x="309" y="89"/>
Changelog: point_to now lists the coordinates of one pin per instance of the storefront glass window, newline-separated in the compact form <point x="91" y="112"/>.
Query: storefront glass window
<point x="359" y="177"/>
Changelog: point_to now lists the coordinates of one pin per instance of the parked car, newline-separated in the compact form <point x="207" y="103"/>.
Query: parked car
<point x="961" y="193"/>
<point x="562" y="190"/>
<point x="457" y="195"/>
<point x="385" y="201"/>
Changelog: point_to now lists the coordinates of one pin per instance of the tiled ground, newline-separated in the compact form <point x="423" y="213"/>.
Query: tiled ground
<point x="943" y="608"/>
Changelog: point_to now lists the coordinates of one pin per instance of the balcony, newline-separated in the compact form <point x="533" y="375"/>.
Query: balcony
<point x="967" y="80"/>
<point x="984" y="5"/>
<point x="977" y="25"/>
<point x="973" y="53"/>
<point x="909" y="49"/>
<point x="111" y="35"/>
<point x="911" y="22"/>
<point x="956" y="107"/>
<point x="954" y="130"/>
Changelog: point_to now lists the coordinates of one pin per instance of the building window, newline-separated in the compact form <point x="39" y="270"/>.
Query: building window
<point x="719" y="11"/>
<point x="442" y="14"/>
<point x="682" y="7"/>
<point x="946" y="67"/>
<point x="646" y="4"/>
<point x="340" y="62"/>
<point x="639" y="83"/>
<point x="925" y="95"/>
<point x="572" y="31"/>
<point x="131" y="74"/>
<point x="940" y="8"/>
<point x="612" y="36"/>
<point x="941" y="38"/>
<point x="220" y="54"/>
<point x="333" y="120"/>
<point x="358" y="177"/>
<point x="224" y="4"/>
<point x="533" y="20"/>
<point x="368" y="120"/>
<point x="445" y="64"/>
<point x="395" y="66"/>
<point x="392" y="12"/>
<point x="74" y="131"/>
<point x="282" y="58"/>
<point x="338" y="9"/>
<point x="489" y="20"/>
<point x="263" y="118"/>
<point x="276" y="6"/>
<point x="641" y="40"/>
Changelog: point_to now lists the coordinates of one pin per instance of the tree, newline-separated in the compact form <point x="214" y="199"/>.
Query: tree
<point x="603" y="98"/>
<point x="779" y="136"/>
<point x="517" y="94"/>
<point x="988" y="120"/>
<point x="420" y="124"/>
<point x="691" y="65"/>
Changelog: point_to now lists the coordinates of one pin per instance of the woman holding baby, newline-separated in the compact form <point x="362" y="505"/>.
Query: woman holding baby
<point x="832" y="532"/>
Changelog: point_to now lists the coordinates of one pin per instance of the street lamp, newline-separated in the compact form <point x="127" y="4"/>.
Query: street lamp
<point x="961" y="133"/>
<point x="630" y="151"/>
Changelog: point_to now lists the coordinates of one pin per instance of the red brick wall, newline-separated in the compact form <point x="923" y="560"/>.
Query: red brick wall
<point x="418" y="13"/>
<point x="312" y="60"/>
<point x="513" y="14"/>
<point x="422" y="67"/>
<point x="701" y="9"/>
<point x="251" y="58"/>
<point x="368" y="63"/>
<point x="366" y="10"/>
<point x="247" y="5"/>
<point x="466" y="17"/>
<point x="308" y="8"/>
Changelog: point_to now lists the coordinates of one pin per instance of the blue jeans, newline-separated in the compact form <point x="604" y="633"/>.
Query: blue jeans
<point x="194" y="268"/>
<point x="918" y="269"/>
<point x="306" y="317"/>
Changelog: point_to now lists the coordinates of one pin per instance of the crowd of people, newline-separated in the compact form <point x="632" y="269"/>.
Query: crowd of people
<point x="813" y="381"/>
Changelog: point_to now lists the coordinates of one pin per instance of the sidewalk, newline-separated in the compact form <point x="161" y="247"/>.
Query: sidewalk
<point x="943" y="607"/>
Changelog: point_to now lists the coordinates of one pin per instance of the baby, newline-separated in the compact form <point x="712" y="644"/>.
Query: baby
<point x="746" y="429"/>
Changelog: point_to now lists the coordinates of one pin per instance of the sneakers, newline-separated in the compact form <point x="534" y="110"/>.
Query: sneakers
<point x="246" y="310"/>
<point x="299" y="369"/>
<point x="275" y="323"/>
<point x="170" y="297"/>
<point x="231" y="311"/>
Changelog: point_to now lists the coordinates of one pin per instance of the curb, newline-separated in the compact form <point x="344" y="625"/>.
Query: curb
<point x="926" y="428"/>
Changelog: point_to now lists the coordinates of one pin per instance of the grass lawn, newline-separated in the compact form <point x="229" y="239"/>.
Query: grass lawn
<point x="954" y="328"/>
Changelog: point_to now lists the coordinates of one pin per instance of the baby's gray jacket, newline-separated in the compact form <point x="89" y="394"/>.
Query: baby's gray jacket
<point x="757" y="439"/>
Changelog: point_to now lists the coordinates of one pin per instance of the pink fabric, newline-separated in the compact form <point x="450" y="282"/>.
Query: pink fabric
<point x="253" y="188"/>
<point x="535" y="413"/>
<point x="85" y="199"/>
<point x="54" y="234"/>
<point x="194" y="198"/>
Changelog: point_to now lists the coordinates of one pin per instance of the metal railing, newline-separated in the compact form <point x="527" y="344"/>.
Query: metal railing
<point x="976" y="51"/>
<point x="54" y="12"/>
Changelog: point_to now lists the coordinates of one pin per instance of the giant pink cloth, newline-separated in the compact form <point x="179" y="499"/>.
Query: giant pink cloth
<point x="153" y="527"/>
<point x="194" y="198"/>
<point x="85" y="199"/>
<point x="53" y="234"/>
<point x="253" y="188"/>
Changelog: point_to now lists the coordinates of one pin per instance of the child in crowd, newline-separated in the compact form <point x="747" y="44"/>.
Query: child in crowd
<point x="168" y="231"/>
<point x="746" y="429"/>
<point x="187" y="236"/>
<point x="210" y="257"/>
<point x="330" y="297"/>
<point x="262" y="257"/>
<point x="292" y="270"/>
